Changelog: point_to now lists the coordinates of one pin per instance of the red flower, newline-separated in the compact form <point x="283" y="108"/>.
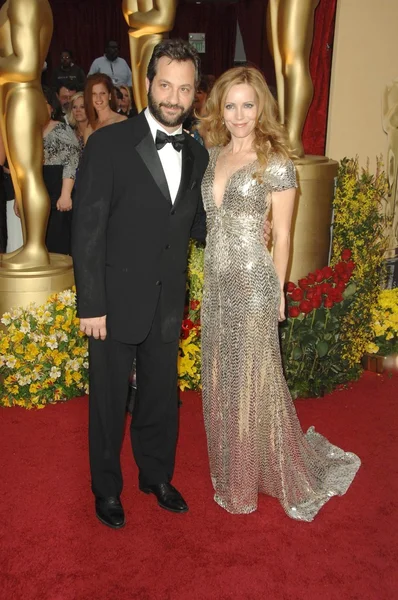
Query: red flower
<point x="316" y="302"/>
<point x="328" y="302"/>
<point x="325" y="287"/>
<point x="297" y="294"/>
<point x="194" y="304"/>
<point x="346" y="254"/>
<point x="327" y="272"/>
<point x="294" y="312"/>
<point x="340" y="268"/>
<point x="310" y="293"/>
<point x="290" y="287"/>
<point x="340" y="286"/>
<point x="305" y="306"/>
<point x="318" y="291"/>
<point x="184" y="334"/>
<point x="303" y="283"/>
<point x="345" y="277"/>
<point x="350" y="266"/>
<point x="187" y="324"/>
<point x="311" y="278"/>
<point x="318" y="275"/>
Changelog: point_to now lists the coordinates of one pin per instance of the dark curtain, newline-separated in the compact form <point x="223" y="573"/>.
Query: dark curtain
<point x="314" y="134"/>
<point x="218" y="22"/>
<point x="252" y="20"/>
<point x="84" y="26"/>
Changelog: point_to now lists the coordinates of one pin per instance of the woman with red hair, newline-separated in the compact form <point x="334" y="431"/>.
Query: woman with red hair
<point x="100" y="103"/>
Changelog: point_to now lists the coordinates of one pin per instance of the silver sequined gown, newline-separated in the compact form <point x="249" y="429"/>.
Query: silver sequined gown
<point x="255" y="441"/>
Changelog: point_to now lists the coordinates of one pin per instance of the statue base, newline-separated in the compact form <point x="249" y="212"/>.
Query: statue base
<point x="18" y="288"/>
<point x="310" y="238"/>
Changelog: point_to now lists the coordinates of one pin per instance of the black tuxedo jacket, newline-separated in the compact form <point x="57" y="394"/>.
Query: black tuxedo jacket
<point x="129" y="242"/>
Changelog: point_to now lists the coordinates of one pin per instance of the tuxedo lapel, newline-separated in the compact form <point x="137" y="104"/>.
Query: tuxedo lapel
<point x="186" y="172"/>
<point x="147" y="150"/>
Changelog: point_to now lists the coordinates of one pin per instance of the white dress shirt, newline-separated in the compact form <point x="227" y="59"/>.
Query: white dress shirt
<point x="171" y="159"/>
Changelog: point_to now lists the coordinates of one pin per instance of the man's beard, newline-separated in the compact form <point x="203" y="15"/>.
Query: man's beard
<point x="156" y="111"/>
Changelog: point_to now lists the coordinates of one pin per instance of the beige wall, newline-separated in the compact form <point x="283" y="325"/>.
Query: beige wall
<point x="365" y="60"/>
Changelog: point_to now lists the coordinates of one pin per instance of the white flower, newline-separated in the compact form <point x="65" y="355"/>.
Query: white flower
<point x="6" y="318"/>
<point x="25" y="327"/>
<point x="16" y="313"/>
<point x="73" y="365"/>
<point x="67" y="297"/>
<point x="52" y="342"/>
<point x="45" y="318"/>
<point x="61" y="335"/>
<point x="23" y="379"/>
<point x="85" y="364"/>
<point x="11" y="362"/>
<point x="55" y="373"/>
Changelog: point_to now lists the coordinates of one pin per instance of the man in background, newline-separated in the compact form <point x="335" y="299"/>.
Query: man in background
<point x="68" y="73"/>
<point x="65" y="91"/>
<point x="111" y="64"/>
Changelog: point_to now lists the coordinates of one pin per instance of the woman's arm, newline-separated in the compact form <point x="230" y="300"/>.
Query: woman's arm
<point x="282" y="212"/>
<point x="64" y="202"/>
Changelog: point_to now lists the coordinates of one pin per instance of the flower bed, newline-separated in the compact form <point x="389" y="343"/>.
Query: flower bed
<point x="43" y="354"/>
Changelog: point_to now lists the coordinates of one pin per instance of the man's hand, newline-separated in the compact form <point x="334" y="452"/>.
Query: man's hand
<point x="267" y="231"/>
<point x="95" y="326"/>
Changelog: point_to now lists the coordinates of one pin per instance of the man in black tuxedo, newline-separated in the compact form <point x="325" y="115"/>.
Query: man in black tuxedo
<point x="138" y="203"/>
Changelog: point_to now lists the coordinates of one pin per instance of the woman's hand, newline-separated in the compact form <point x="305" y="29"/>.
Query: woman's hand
<point x="64" y="203"/>
<point x="16" y="209"/>
<point x="282" y="316"/>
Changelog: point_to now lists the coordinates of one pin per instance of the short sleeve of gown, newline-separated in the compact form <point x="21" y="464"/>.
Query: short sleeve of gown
<point x="281" y="174"/>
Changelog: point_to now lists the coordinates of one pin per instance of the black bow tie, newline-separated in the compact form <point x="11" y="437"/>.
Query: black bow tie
<point x="162" y="139"/>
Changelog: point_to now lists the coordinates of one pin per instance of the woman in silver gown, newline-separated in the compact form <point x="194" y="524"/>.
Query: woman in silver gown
<point x="255" y="441"/>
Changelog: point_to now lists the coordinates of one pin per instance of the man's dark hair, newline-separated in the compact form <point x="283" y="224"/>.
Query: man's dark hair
<point x="178" y="50"/>
<point x="66" y="51"/>
<point x="111" y="42"/>
<point x="72" y="87"/>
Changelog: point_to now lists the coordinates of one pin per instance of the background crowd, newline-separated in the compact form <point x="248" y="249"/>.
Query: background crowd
<point x="78" y="104"/>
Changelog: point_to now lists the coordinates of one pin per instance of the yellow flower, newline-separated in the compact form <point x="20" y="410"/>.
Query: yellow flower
<point x="372" y="348"/>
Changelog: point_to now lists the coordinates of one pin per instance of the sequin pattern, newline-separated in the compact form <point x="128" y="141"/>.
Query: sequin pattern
<point x="255" y="441"/>
<point x="61" y="148"/>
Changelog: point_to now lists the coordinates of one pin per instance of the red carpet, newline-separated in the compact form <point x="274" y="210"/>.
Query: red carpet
<point x="53" y="548"/>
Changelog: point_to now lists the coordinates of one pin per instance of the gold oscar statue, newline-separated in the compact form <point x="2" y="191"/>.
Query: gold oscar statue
<point x="390" y="126"/>
<point x="290" y="28"/>
<point x="28" y="274"/>
<point x="147" y="21"/>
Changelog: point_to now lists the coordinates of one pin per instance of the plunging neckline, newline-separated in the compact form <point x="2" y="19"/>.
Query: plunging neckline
<point x="228" y="180"/>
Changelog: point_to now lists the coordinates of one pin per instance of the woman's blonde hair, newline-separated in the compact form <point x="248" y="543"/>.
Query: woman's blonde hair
<point x="270" y="136"/>
<point x="71" y="118"/>
<point x="125" y="87"/>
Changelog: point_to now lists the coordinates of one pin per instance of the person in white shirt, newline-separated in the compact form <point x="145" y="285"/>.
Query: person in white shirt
<point x="111" y="64"/>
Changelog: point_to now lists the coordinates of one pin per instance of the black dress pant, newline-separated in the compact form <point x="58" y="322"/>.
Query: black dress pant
<point x="154" y="422"/>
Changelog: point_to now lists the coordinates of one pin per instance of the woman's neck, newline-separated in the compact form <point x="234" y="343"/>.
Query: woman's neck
<point x="104" y="115"/>
<point x="81" y="127"/>
<point x="241" y="145"/>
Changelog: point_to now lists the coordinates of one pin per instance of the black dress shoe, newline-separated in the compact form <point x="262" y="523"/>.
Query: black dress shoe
<point x="168" y="497"/>
<point x="110" y="512"/>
